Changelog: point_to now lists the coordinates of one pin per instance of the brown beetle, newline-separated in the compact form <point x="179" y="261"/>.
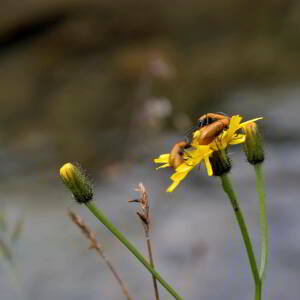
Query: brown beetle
<point x="210" y="125"/>
<point x="176" y="157"/>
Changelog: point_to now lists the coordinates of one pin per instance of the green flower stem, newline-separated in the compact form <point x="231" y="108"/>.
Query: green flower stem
<point x="258" y="288"/>
<point x="263" y="220"/>
<point x="103" y="219"/>
<point x="228" y="189"/>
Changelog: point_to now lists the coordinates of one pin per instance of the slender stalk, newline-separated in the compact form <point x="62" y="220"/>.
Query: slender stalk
<point x="151" y="262"/>
<point x="103" y="219"/>
<point x="258" y="288"/>
<point x="228" y="189"/>
<point x="90" y="235"/>
<point x="263" y="220"/>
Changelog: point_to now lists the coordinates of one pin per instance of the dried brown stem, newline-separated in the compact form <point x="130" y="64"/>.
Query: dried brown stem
<point x="90" y="235"/>
<point x="145" y="219"/>
<point x="151" y="262"/>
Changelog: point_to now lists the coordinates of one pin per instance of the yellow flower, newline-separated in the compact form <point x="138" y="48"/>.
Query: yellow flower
<point x="199" y="153"/>
<point x="76" y="181"/>
<point x="67" y="171"/>
<point x="253" y="146"/>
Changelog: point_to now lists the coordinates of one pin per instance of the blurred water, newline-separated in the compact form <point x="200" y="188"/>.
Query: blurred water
<point x="198" y="247"/>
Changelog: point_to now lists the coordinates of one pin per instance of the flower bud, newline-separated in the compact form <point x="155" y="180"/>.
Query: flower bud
<point x="253" y="146"/>
<point x="220" y="162"/>
<point x="76" y="182"/>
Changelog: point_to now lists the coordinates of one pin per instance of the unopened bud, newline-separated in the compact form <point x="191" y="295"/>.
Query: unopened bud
<point x="76" y="182"/>
<point x="253" y="146"/>
<point x="220" y="162"/>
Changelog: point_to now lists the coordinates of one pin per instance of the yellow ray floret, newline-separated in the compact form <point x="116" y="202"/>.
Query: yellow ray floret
<point x="163" y="159"/>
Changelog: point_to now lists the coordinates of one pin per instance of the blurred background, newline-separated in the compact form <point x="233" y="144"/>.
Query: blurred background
<point x="113" y="84"/>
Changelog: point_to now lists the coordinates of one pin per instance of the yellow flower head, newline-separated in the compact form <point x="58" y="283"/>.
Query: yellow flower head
<point x="253" y="146"/>
<point x="199" y="153"/>
<point x="67" y="171"/>
<point x="75" y="180"/>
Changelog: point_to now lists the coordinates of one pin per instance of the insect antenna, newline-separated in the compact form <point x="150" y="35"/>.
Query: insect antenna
<point x="221" y="113"/>
<point x="191" y="130"/>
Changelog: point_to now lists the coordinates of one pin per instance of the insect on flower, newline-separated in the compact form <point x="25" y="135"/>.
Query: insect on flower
<point x="176" y="157"/>
<point x="210" y="126"/>
<point x="215" y="133"/>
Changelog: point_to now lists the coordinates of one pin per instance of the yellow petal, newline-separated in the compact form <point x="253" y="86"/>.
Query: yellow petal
<point x="172" y="187"/>
<point x="250" y="121"/>
<point x="200" y="151"/>
<point x="234" y="125"/>
<point x="208" y="166"/>
<point x="163" y="166"/>
<point x="196" y="134"/>
<point x="239" y="139"/>
<point x="178" y="176"/>
<point x="67" y="171"/>
<point x="163" y="158"/>
<point x="184" y="168"/>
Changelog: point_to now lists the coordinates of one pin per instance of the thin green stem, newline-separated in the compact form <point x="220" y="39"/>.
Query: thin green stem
<point x="228" y="189"/>
<point x="258" y="287"/>
<point x="103" y="219"/>
<point x="263" y="220"/>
